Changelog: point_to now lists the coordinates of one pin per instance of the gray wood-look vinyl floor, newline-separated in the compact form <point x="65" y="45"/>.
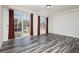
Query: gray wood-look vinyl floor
<point x="46" y="43"/>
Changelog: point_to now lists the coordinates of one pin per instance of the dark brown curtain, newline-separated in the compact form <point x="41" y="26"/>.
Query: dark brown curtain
<point x="38" y="25"/>
<point x="11" y="24"/>
<point x="46" y="25"/>
<point x="31" y="30"/>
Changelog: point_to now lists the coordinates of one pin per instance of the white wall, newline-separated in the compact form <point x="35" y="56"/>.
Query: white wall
<point x="5" y="23"/>
<point x="51" y="24"/>
<point x="1" y="39"/>
<point x="67" y="24"/>
<point x="35" y="24"/>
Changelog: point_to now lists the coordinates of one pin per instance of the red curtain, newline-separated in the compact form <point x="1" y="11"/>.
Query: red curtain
<point x="11" y="25"/>
<point x="46" y="25"/>
<point x="31" y="30"/>
<point x="38" y="25"/>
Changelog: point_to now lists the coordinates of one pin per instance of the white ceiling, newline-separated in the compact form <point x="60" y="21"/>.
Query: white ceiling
<point x="53" y="9"/>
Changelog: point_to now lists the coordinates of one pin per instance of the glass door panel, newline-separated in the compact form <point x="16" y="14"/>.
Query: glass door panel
<point x="26" y="26"/>
<point x="43" y="25"/>
<point x="17" y="24"/>
<point x="18" y="28"/>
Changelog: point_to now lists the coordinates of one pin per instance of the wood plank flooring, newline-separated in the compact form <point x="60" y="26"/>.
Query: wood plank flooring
<point x="50" y="43"/>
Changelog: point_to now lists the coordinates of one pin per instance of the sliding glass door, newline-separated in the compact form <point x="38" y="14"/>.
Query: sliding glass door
<point x="26" y="26"/>
<point x="21" y="24"/>
<point x="42" y="25"/>
<point x="18" y="27"/>
<point x="17" y="24"/>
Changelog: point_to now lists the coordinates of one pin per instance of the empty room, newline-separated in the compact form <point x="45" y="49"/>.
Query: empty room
<point x="39" y="28"/>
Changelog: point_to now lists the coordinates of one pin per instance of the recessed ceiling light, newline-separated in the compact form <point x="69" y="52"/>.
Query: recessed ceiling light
<point x="47" y="6"/>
